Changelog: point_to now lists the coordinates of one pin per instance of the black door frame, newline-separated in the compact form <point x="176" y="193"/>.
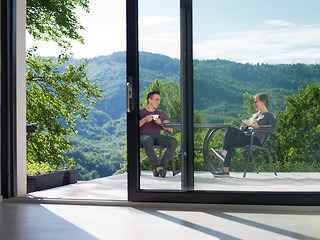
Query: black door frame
<point x="133" y="158"/>
<point x="187" y="194"/>
<point x="186" y="83"/>
<point x="8" y="98"/>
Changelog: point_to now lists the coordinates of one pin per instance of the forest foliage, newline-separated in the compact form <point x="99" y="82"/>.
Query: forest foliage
<point x="55" y="21"/>
<point x="296" y="144"/>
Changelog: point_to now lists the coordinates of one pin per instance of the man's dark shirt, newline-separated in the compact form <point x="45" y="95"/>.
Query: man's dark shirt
<point x="151" y="127"/>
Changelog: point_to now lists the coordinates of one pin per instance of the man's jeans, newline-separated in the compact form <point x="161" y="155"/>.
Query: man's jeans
<point x="148" y="141"/>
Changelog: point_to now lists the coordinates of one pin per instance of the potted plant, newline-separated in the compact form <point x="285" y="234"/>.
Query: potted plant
<point x="71" y="175"/>
<point x="42" y="176"/>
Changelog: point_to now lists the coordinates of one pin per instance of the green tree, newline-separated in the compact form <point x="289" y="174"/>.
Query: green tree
<point x="57" y="92"/>
<point x="298" y="134"/>
<point x="55" y="20"/>
<point x="54" y="100"/>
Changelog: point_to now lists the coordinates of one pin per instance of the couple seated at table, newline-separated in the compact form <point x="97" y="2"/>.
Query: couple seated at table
<point x="151" y="123"/>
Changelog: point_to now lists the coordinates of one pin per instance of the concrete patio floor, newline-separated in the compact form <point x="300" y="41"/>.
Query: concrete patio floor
<point x="114" y="188"/>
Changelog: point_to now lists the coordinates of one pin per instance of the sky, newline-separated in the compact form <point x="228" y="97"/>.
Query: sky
<point x="246" y="31"/>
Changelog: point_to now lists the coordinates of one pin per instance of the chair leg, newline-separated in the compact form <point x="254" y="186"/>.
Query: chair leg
<point x="271" y="162"/>
<point x="254" y="163"/>
<point x="173" y="166"/>
<point x="247" y="164"/>
<point x="174" y="171"/>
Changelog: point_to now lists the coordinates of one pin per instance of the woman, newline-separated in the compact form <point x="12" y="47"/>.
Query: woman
<point x="261" y="123"/>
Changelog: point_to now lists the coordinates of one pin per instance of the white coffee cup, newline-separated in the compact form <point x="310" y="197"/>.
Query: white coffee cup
<point x="154" y="117"/>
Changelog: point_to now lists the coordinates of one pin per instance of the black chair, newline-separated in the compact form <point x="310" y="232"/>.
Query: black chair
<point x="251" y="147"/>
<point x="174" y="171"/>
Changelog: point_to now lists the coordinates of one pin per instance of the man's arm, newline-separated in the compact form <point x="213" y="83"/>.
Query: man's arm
<point x="147" y="118"/>
<point x="167" y="129"/>
<point x="161" y="124"/>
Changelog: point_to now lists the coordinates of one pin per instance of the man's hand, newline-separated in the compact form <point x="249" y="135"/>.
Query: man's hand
<point x="167" y="129"/>
<point x="159" y="122"/>
<point x="147" y="118"/>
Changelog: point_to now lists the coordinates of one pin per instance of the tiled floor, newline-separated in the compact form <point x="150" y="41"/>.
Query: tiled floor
<point x="89" y="219"/>
<point x="22" y="221"/>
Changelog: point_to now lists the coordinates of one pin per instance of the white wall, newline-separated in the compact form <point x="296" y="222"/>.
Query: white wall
<point x="21" y="98"/>
<point x="0" y="131"/>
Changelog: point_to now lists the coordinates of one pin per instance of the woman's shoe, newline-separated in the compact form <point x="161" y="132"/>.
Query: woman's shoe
<point x="217" y="154"/>
<point x="222" y="174"/>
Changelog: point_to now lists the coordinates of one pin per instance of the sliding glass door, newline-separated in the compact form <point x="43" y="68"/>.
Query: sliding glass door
<point x="229" y="52"/>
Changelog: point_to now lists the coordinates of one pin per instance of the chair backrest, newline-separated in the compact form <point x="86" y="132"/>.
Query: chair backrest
<point x="265" y="139"/>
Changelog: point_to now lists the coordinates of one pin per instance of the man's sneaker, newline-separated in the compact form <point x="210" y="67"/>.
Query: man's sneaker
<point x="155" y="173"/>
<point x="217" y="154"/>
<point x="163" y="172"/>
<point x="221" y="174"/>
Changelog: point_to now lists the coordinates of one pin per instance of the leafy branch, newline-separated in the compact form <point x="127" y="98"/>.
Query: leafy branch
<point x="54" y="100"/>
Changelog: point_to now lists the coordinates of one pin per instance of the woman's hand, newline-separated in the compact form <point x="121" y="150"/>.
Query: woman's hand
<point x="243" y="126"/>
<point x="255" y="125"/>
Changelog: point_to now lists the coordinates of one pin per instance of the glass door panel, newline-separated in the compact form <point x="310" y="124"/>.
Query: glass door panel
<point x="159" y="70"/>
<point x="240" y="49"/>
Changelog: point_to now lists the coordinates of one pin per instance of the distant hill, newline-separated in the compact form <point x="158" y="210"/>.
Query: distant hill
<point x="218" y="93"/>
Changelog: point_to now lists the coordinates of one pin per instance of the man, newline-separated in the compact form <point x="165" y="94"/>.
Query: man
<point x="151" y="123"/>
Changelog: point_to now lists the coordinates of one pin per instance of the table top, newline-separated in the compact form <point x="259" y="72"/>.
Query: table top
<point x="177" y="126"/>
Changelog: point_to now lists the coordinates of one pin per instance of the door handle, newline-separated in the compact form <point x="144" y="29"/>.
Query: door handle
<point x="129" y="93"/>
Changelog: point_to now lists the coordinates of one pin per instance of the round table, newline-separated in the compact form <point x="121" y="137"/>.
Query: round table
<point x="211" y="163"/>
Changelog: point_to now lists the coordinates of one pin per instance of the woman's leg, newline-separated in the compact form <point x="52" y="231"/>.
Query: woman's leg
<point x="227" y="160"/>
<point x="233" y="138"/>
